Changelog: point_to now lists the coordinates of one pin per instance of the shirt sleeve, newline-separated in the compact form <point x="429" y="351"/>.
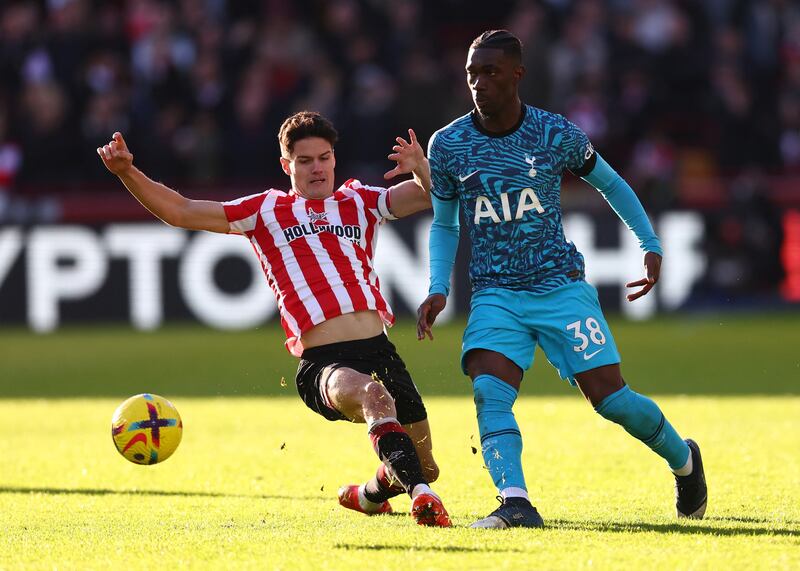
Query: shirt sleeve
<point x="625" y="203"/>
<point x="577" y="150"/>
<point x="243" y="212"/>
<point x="377" y="200"/>
<point x="443" y="186"/>
<point x="443" y="244"/>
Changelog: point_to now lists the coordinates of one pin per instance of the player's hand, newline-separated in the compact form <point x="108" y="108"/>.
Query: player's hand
<point x="115" y="155"/>
<point x="652" y="266"/>
<point x="426" y="314"/>
<point x="407" y="154"/>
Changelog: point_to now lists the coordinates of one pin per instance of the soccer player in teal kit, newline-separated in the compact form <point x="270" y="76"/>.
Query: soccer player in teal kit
<point x="502" y="163"/>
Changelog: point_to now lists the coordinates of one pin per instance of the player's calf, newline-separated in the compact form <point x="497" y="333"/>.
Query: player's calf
<point x="396" y="450"/>
<point x="643" y="419"/>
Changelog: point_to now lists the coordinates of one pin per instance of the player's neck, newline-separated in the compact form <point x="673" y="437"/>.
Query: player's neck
<point x="504" y="121"/>
<point x="312" y="195"/>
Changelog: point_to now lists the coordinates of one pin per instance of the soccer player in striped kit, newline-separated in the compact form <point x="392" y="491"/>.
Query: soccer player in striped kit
<point x="316" y="245"/>
<point x="502" y="164"/>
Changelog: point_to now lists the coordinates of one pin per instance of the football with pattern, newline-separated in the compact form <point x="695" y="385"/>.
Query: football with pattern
<point x="146" y="429"/>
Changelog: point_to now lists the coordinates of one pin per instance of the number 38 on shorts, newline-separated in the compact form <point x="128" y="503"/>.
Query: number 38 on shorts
<point x="591" y="345"/>
<point x="593" y="334"/>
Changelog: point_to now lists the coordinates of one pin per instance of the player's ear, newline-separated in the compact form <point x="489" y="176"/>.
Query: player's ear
<point x="286" y="166"/>
<point x="519" y="72"/>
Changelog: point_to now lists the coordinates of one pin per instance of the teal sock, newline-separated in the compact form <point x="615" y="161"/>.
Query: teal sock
<point x="642" y="418"/>
<point x="501" y="441"/>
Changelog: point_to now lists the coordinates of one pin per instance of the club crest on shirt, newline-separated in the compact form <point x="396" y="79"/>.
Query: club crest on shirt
<point x="318" y="217"/>
<point x="531" y="161"/>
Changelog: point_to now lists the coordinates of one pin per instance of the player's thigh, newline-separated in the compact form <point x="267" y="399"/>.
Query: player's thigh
<point x="574" y="333"/>
<point x="494" y="326"/>
<point x="420" y="434"/>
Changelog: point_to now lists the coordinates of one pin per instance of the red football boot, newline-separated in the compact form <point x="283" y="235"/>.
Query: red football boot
<point x="427" y="509"/>
<point x="348" y="498"/>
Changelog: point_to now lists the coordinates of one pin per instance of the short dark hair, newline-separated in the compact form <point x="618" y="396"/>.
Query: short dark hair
<point x="303" y="125"/>
<point x="499" y="40"/>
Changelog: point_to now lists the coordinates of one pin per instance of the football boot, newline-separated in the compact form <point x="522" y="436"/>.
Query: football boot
<point x="691" y="493"/>
<point x="513" y="512"/>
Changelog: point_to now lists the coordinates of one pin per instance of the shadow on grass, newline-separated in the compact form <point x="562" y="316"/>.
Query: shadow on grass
<point x="689" y="528"/>
<point x="747" y="519"/>
<point x="188" y="494"/>
<point x="434" y="548"/>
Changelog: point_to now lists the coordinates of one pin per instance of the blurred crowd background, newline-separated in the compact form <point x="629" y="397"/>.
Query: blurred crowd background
<point x="695" y="102"/>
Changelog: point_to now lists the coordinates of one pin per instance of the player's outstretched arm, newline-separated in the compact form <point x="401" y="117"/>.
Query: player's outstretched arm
<point x="162" y="201"/>
<point x="626" y="204"/>
<point x="409" y="196"/>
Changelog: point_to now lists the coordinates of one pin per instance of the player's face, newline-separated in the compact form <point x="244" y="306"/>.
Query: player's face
<point x="310" y="167"/>
<point x="493" y="78"/>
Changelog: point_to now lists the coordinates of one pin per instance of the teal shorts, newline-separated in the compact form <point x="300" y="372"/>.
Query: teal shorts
<point x="567" y="322"/>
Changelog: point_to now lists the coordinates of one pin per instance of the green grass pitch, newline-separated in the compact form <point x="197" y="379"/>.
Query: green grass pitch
<point x="253" y="483"/>
<point x="719" y="355"/>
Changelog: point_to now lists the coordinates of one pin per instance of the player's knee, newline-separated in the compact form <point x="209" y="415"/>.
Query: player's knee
<point x="375" y="392"/>
<point x="484" y="362"/>
<point x="616" y="407"/>
<point x="377" y="400"/>
<point x="599" y="384"/>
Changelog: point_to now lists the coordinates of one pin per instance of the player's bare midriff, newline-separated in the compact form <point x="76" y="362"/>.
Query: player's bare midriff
<point x="347" y="327"/>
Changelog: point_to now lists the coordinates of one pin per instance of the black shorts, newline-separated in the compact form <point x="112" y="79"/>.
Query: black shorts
<point x="375" y="356"/>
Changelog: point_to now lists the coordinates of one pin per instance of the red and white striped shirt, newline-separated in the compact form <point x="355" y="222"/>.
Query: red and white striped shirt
<point x="317" y="254"/>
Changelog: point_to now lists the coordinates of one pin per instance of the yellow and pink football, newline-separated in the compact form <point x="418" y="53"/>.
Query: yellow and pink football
<point x="146" y="429"/>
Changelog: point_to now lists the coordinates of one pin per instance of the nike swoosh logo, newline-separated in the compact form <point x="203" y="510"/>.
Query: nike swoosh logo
<point x="587" y="356"/>
<point x="464" y="178"/>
